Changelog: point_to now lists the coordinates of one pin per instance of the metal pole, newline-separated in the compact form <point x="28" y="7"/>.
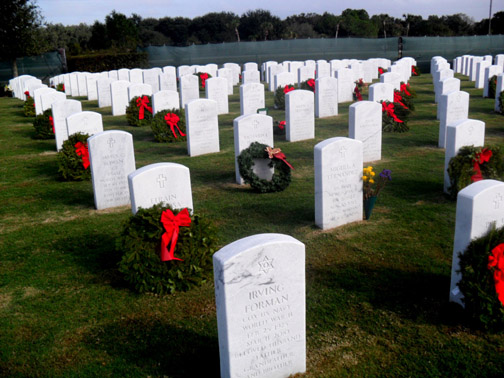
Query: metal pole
<point x="490" y="19"/>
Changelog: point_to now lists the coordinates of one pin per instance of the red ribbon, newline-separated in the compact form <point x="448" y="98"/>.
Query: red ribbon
<point x="172" y="224"/>
<point x="357" y="93"/>
<point x="142" y="102"/>
<point x="287" y="89"/>
<point x="480" y="158"/>
<point x="380" y="71"/>
<point x="172" y="121"/>
<point x="27" y="94"/>
<point x="203" y="77"/>
<point x="281" y="125"/>
<point x="277" y="154"/>
<point x="404" y="89"/>
<point x="311" y="84"/>
<point x="81" y="149"/>
<point x="390" y="111"/>
<point x="496" y="260"/>
<point x="413" y="71"/>
<point x="51" y="122"/>
<point x="398" y="99"/>
<point x="63" y="87"/>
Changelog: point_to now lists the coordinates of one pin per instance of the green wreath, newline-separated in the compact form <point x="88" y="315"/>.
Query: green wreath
<point x="60" y="87"/>
<point x="141" y="265"/>
<point x="477" y="283"/>
<point x="389" y="124"/>
<point x="492" y="86"/>
<point x="71" y="166"/>
<point x="163" y="131"/>
<point x="281" y="177"/>
<point x="202" y="82"/>
<point x="501" y="103"/>
<point x="308" y="85"/>
<point x="29" y="107"/>
<point x="461" y="167"/>
<point x="408" y="94"/>
<point x="280" y="97"/>
<point x="415" y="71"/>
<point x="133" y="112"/>
<point x="279" y="128"/>
<point x="381" y="71"/>
<point x="44" y="125"/>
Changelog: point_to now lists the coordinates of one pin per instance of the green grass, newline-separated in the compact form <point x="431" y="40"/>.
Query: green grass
<point x="377" y="291"/>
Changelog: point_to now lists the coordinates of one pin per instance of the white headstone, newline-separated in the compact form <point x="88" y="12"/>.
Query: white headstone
<point x="323" y="69"/>
<point x="365" y="124"/>
<point x="251" y="98"/>
<point x="248" y="129"/>
<point x="251" y="77"/>
<point x="299" y="115"/>
<point x="468" y="132"/>
<point x="216" y="89"/>
<point x="49" y="98"/>
<point x="151" y="77"/>
<point x="478" y="206"/>
<point x="480" y="73"/>
<point x="498" y="89"/>
<point x="60" y="111"/>
<point x="391" y="78"/>
<point x="119" y="95"/>
<point x="165" y="100"/>
<point x="326" y="97"/>
<point x="138" y="90"/>
<point x="84" y="122"/>
<point x="168" y="183"/>
<point x="261" y="306"/>
<point x="227" y="74"/>
<point x="250" y="66"/>
<point x="92" y="92"/>
<point x="37" y="93"/>
<point x="112" y="159"/>
<point x="168" y="81"/>
<point x="123" y="74"/>
<point x="446" y="86"/>
<point x="103" y="92"/>
<point x="345" y="85"/>
<point x="489" y="72"/>
<point x="202" y="127"/>
<point x="74" y="85"/>
<point x="189" y="89"/>
<point x="454" y="107"/>
<point x="136" y="75"/>
<point x="381" y="92"/>
<point x="272" y="72"/>
<point x="338" y="182"/>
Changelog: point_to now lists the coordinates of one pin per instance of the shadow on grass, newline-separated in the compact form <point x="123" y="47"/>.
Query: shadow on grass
<point x="148" y="343"/>
<point x="417" y="295"/>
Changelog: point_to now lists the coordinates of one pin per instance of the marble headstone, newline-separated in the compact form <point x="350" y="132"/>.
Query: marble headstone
<point x="165" y="100"/>
<point x="454" y="107"/>
<point x="119" y="95"/>
<point x="202" y="127"/>
<point x="84" y="122"/>
<point x="365" y="124"/>
<point x="60" y="111"/>
<point x="251" y="98"/>
<point x="299" y="115"/>
<point x="216" y="88"/>
<point x="326" y="97"/>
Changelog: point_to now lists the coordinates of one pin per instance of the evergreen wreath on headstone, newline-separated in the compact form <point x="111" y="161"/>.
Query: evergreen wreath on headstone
<point x="152" y="263"/>
<point x="169" y="125"/>
<point x="73" y="158"/>
<point x="474" y="164"/>
<point x="60" y="87"/>
<point x="202" y="78"/>
<point x="29" y="106"/>
<point x="381" y="71"/>
<point x="501" y="103"/>
<point x="308" y="85"/>
<point x="44" y="125"/>
<point x="492" y="86"/>
<point x="415" y="71"/>
<point x="282" y="170"/>
<point x="394" y="117"/>
<point x="280" y="96"/>
<point x="139" y="111"/>
<point x="482" y="270"/>
<point x="279" y="128"/>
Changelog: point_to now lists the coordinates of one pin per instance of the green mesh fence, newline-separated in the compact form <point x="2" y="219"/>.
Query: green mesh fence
<point x="294" y="49"/>
<point x="424" y="48"/>
<point x="41" y="66"/>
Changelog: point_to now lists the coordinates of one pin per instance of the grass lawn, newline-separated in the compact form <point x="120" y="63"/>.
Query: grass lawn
<point x="377" y="290"/>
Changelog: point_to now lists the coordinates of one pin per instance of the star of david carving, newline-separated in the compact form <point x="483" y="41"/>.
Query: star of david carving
<point x="266" y="264"/>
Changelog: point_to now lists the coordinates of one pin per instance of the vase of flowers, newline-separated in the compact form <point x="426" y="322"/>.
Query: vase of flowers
<point x="372" y="187"/>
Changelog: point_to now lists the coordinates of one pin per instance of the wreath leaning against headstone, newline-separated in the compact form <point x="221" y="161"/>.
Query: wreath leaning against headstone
<point x="139" y="111"/>
<point x="165" y="250"/>
<point x="280" y="96"/>
<point x="29" y="106"/>
<point x="482" y="280"/>
<point x="73" y="158"/>
<point x="281" y="177"/>
<point x="44" y="125"/>
<point x="169" y="125"/>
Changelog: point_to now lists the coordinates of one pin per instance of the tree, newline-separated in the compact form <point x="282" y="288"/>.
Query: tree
<point x="20" y="22"/>
<point x="122" y="31"/>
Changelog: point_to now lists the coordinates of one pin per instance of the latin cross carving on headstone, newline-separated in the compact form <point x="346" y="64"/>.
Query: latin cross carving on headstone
<point x="161" y="181"/>
<point x="111" y="142"/>
<point x="342" y="151"/>
<point x="498" y="200"/>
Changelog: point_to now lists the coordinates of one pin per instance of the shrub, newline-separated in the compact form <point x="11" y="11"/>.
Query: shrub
<point x="167" y="131"/>
<point x="477" y="283"/>
<point x="71" y="165"/>
<point x="133" y="113"/>
<point x="44" y="125"/>
<point x="107" y="61"/>
<point x="139" y="244"/>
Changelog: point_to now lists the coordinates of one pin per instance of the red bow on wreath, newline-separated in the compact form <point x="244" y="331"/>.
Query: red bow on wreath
<point x="51" y="122"/>
<point x="380" y="71"/>
<point x="480" y="158"/>
<point x="287" y="89"/>
<point x="27" y="94"/>
<point x="390" y="111"/>
<point x="281" y="125"/>
<point x="203" y="77"/>
<point x="172" y="224"/>
<point x="142" y="103"/>
<point x="404" y="89"/>
<point x="311" y="83"/>
<point x="357" y="93"/>
<point x="398" y="99"/>
<point x="172" y="121"/>
<point x="496" y="260"/>
<point x="277" y="154"/>
<point x="81" y="149"/>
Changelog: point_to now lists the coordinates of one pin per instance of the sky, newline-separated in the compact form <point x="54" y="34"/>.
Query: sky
<point x="73" y="12"/>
